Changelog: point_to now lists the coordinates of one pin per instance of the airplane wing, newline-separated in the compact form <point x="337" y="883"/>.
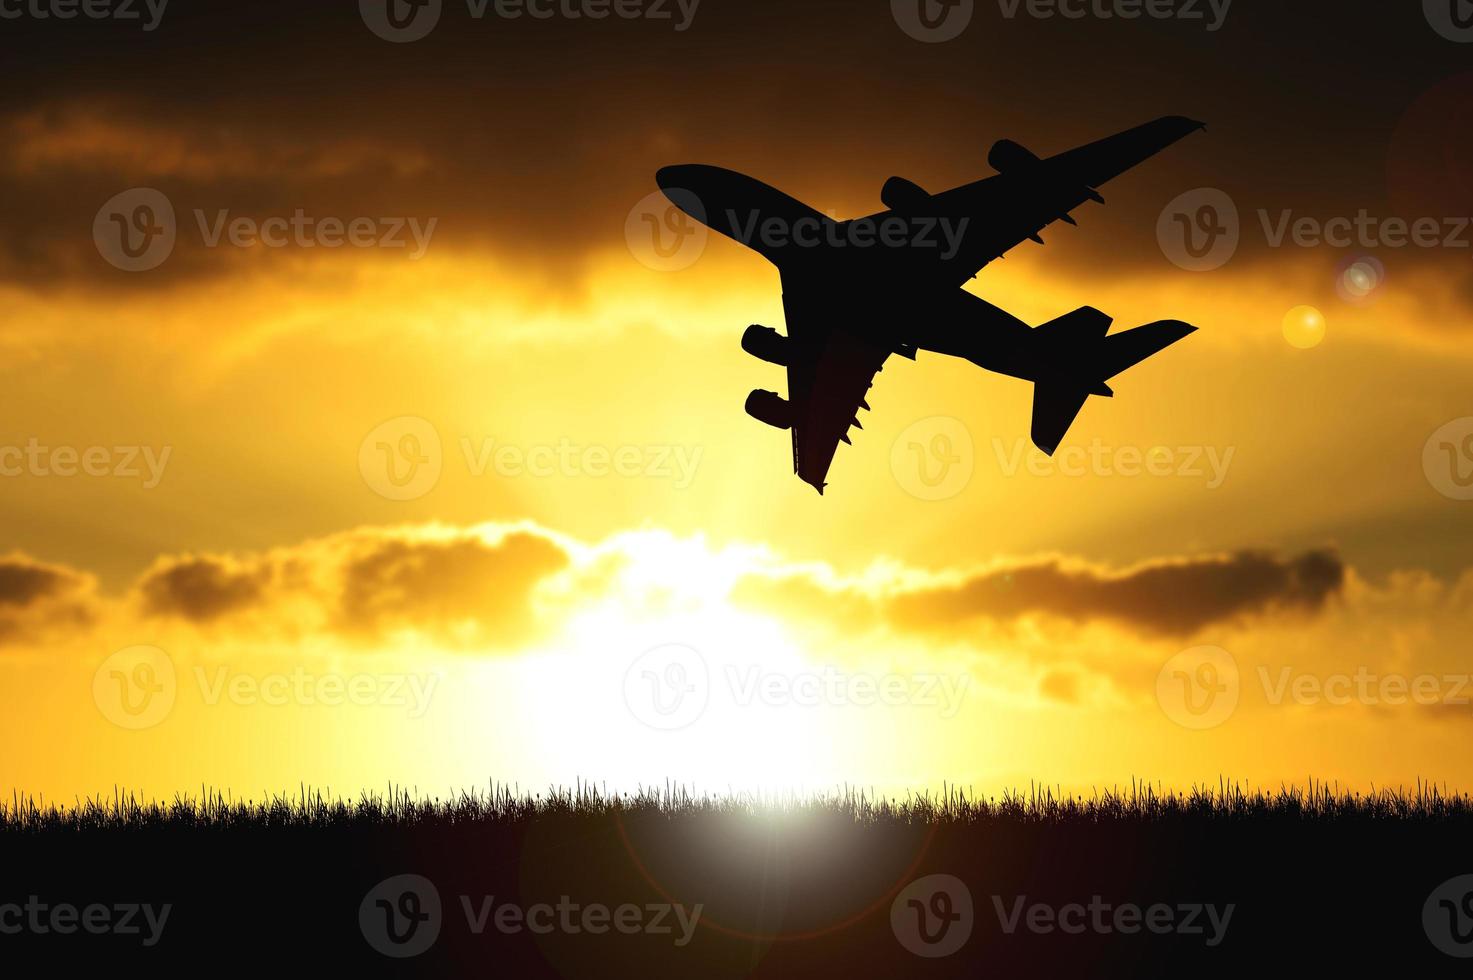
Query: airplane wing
<point x="1029" y="194"/>
<point x="829" y="375"/>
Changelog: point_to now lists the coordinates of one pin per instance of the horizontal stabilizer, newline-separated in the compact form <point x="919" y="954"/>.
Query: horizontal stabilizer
<point x="1076" y="361"/>
<point x="1085" y="326"/>
<point x="1125" y="350"/>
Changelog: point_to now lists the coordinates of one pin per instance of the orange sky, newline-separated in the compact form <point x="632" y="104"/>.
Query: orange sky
<point x="1253" y="563"/>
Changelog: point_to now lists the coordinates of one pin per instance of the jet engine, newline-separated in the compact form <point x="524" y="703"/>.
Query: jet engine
<point x="903" y="196"/>
<point x="1007" y="156"/>
<point x="766" y="344"/>
<point x="770" y="407"/>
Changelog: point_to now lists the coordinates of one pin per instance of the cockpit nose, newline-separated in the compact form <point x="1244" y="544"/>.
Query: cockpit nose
<point x="687" y="186"/>
<point x="673" y="177"/>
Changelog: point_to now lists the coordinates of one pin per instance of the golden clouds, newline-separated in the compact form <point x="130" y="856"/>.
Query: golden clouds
<point x="38" y="598"/>
<point x="1167" y="597"/>
<point x="502" y="587"/>
<point x="79" y="137"/>
<point x="1173" y="597"/>
<point x="454" y="588"/>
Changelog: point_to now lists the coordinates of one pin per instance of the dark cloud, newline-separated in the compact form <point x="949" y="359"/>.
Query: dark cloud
<point x="201" y="589"/>
<point x="465" y="589"/>
<point x="366" y="586"/>
<point x="35" y="597"/>
<point x="1172" y="598"/>
<point x="23" y="582"/>
<point x="536" y="137"/>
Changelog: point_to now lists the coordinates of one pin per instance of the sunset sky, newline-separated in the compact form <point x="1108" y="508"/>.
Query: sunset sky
<point x="244" y="539"/>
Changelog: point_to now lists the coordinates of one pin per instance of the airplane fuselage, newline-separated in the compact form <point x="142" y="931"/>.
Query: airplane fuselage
<point x="877" y="277"/>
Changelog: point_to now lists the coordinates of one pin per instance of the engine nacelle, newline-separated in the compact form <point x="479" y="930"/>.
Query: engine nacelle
<point x="770" y="407"/>
<point x="904" y="196"/>
<point x="1007" y="156"/>
<point x="766" y="344"/>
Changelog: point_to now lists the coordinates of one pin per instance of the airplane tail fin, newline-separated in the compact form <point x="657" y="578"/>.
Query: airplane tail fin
<point x="1075" y="360"/>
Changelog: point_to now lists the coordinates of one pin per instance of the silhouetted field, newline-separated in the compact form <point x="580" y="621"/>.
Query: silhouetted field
<point x="583" y="883"/>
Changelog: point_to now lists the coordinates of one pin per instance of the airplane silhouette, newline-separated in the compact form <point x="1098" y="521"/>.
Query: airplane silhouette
<point x="857" y="291"/>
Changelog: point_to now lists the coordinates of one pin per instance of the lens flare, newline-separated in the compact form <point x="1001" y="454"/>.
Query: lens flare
<point x="1358" y="279"/>
<point x="1304" y="327"/>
